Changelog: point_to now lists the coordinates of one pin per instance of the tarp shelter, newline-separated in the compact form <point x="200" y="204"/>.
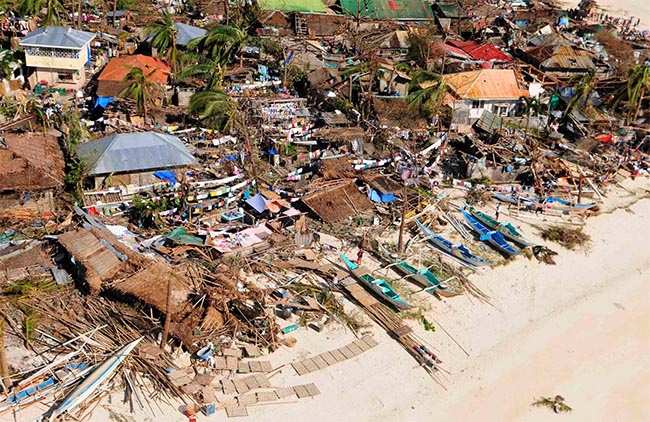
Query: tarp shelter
<point x="381" y="197"/>
<point x="103" y="102"/>
<point x="258" y="202"/>
<point x="388" y="9"/>
<point x="168" y="176"/>
<point x="180" y="235"/>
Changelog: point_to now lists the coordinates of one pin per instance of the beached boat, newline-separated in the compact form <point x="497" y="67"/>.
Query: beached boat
<point x="379" y="287"/>
<point x="424" y="278"/>
<point x="492" y="237"/>
<point x="460" y="252"/>
<point x="506" y="229"/>
<point x="550" y="202"/>
<point x="92" y="382"/>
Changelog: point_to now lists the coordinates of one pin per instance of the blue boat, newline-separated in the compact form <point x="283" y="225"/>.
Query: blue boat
<point x="505" y="228"/>
<point x="460" y="252"/>
<point x="378" y="286"/>
<point x="492" y="237"/>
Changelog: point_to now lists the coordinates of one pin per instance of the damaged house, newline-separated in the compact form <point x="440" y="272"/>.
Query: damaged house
<point x="31" y="169"/>
<point x="494" y="90"/>
<point x="111" y="81"/>
<point x="131" y="159"/>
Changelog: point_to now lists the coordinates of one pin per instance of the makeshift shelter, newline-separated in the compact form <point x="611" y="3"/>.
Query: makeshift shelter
<point x="132" y="158"/>
<point x="388" y="9"/>
<point x="338" y="203"/>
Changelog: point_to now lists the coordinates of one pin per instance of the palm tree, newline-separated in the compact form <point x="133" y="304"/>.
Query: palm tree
<point x="583" y="85"/>
<point x="222" y="43"/>
<point x="8" y="61"/>
<point x="532" y="106"/>
<point x="140" y="88"/>
<point x="210" y="70"/>
<point x="427" y="91"/>
<point x="164" y="37"/>
<point x="633" y="91"/>
<point x="215" y="110"/>
<point x="54" y="10"/>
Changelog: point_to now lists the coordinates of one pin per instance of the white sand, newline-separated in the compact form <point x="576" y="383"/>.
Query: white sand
<point x="580" y="329"/>
<point x="620" y="8"/>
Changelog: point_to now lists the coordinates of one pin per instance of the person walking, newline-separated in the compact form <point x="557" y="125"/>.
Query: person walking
<point x="360" y="256"/>
<point x="497" y="211"/>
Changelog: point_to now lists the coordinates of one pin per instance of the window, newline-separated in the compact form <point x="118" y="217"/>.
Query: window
<point x="65" y="77"/>
<point x="477" y="104"/>
<point x="52" y="52"/>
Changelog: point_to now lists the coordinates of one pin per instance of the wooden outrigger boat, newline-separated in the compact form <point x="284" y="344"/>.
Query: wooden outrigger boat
<point x="424" y="278"/>
<point x="506" y="229"/>
<point x="460" y="252"/>
<point x="93" y="381"/>
<point x="378" y="286"/>
<point x="492" y="237"/>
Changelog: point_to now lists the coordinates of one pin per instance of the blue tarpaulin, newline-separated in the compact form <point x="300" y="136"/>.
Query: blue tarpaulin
<point x="167" y="175"/>
<point x="258" y="202"/>
<point x="381" y="197"/>
<point x="103" y="102"/>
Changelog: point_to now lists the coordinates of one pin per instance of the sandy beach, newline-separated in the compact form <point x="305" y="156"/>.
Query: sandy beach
<point x="620" y="8"/>
<point x="580" y="329"/>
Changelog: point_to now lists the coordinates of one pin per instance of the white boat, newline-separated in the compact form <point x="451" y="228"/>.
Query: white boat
<point x="88" y="386"/>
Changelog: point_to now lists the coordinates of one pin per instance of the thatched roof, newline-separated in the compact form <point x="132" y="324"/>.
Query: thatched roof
<point x="150" y="286"/>
<point x="338" y="203"/>
<point x="30" y="161"/>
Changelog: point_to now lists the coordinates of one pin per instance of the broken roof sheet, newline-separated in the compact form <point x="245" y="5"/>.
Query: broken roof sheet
<point x="338" y="203"/>
<point x="450" y="10"/>
<point x="389" y="9"/>
<point x="131" y="152"/>
<point x="118" y="68"/>
<point x="477" y="51"/>
<point x="486" y="84"/>
<point x="561" y="57"/>
<point x="57" y="37"/>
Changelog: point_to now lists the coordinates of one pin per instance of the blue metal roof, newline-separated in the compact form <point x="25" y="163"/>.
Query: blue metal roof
<point x="57" y="37"/>
<point x="133" y="152"/>
<point x="187" y="33"/>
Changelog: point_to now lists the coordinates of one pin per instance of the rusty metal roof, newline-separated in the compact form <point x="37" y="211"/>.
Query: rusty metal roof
<point x="486" y="84"/>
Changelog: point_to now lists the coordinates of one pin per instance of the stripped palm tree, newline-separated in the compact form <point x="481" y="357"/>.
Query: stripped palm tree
<point x="583" y="85"/>
<point x="211" y="71"/>
<point x="222" y="43"/>
<point x="427" y="91"/>
<point x="164" y="37"/>
<point x="215" y="110"/>
<point x="140" y="88"/>
<point x="532" y="106"/>
<point x="556" y="404"/>
<point x="633" y="92"/>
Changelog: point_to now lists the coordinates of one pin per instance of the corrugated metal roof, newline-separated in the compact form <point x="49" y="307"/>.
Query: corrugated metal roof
<point x="118" y="67"/>
<point x="486" y="84"/>
<point x="293" y="5"/>
<point x="476" y="51"/>
<point x="389" y="9"/>
<point x="132" y="152"/>
<point x="561" y="57"/>
<point x="450" y="10"/>
<point x="57" y="37"/>
<point x="187" y="33"/>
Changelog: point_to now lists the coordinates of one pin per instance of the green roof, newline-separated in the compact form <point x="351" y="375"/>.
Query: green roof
<point x="293" y="5"/>
<point x="388" y="9"/>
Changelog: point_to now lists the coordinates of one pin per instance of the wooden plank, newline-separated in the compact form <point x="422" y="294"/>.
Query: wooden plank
<point x="370" y="341"/>
<point x="361" y="295"/>
<point x="204" y="379"/>
<point x="246" y="399"/>
<point x="301" y="391"/>
<point x="262" y="381"/>
<point x="237" y="353"/>
<point x="255" y="366"/>
<point x="251" y="382"/>
<point x="228" y="387"/>
<point x="266" y="396"/>
<point x="355" y="349"/>
<point x="240" y="385"/>
<point x="312" y="389"/>
<point x="340" y="357"/>
<point x="244" y="368"/>
<point x="208" y="395"/>
<point x="232" y="363"/>
<point x="346" y="352"/>
<point x="285" y="392"/>
<point x="402" y="331"/>
<point x="266" y="366"/>
<point x="251" y="350"/>
<point x="220" y="363"/>
<point x="236" y="411"/>
<point x="329" y="358"/>
<point x="361" y="344"/>
<point x="310" y="365"/>
<point x="300" y="368"/>
<point x="320" y="362"/>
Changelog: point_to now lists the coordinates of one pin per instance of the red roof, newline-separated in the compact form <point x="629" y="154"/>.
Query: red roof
<point x="475" y="51"/>
<point x="117" y="69"/>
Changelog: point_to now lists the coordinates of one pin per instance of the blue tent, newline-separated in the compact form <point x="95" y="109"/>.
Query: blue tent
<point x="167" y="175"/>
<point x="103" y="102"/>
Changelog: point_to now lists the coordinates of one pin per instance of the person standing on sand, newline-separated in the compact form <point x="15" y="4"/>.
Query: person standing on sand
<point x="497" y="212"/>
<point x="360" y="256"/>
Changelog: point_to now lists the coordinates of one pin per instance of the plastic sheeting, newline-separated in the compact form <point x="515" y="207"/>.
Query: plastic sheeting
<point x="168" y="176"/>
<point x="381" y="197"/>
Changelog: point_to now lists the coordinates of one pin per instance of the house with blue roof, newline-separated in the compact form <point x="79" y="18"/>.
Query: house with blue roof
<point x="58" y="55"/>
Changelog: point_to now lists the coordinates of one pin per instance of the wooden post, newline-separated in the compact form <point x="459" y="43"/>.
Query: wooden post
<point x="165" y="334"/>
<point x="400" y="242"/>
<point x="580" y="189"/>
<point x="4" y="366"/>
